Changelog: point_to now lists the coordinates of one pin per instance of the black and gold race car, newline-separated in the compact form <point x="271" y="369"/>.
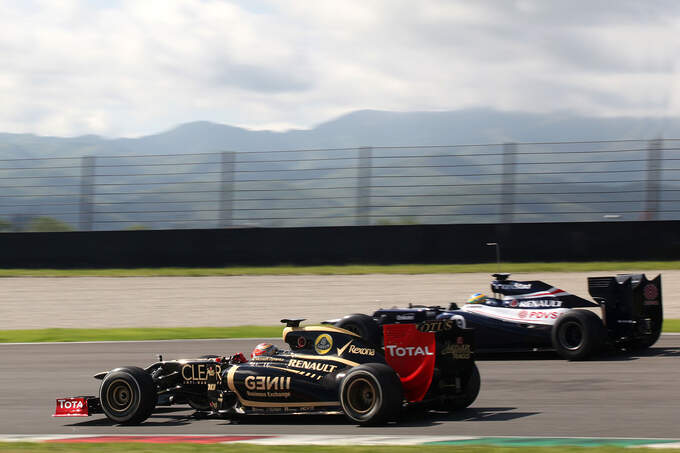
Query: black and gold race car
<point x="327" y="369"/>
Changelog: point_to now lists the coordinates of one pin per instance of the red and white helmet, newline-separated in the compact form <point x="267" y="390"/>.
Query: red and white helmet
<point x="264" y="349"/>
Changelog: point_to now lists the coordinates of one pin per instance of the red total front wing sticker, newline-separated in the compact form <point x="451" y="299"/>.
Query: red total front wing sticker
<point x="71" y="407"/>
<point x="411" y="354"/>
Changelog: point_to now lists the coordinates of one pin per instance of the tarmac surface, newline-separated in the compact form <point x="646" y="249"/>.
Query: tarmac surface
<point x="100" y="302"/>
<point x="522" y="395"/>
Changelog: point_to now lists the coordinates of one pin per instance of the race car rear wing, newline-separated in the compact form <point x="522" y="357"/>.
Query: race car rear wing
<point x="632" y="303"/>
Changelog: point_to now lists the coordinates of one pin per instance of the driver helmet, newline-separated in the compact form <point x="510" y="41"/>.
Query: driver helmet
<point x="264" y="349"/>
<point x="477" y="298"/>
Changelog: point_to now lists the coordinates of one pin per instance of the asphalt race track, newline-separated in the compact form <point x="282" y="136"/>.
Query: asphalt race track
<point x="525" y="395"/>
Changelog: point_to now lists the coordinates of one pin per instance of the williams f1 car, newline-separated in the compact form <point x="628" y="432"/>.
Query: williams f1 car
<point x="626" y="313"/>
<point x="326" y="370"/>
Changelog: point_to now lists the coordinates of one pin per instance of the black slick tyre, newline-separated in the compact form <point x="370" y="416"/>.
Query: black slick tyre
<point x="466" y="397"/>
<point x="128" y="395"/>
<point x="363" y="325"/>
<point x="371" y="394"/>
<point x="578" y="335"/>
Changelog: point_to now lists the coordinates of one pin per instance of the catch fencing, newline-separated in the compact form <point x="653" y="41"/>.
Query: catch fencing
<point x="492" y="183"/>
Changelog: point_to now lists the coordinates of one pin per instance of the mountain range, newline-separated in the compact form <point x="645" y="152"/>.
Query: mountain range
<point x="172" y="179"/>
<point x="360" y="128"/>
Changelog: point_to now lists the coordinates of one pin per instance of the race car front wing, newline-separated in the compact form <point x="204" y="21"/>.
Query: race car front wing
<point x="78" y="406"/>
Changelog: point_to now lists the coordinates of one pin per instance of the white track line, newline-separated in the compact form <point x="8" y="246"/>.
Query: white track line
<point x="314" y="439"/>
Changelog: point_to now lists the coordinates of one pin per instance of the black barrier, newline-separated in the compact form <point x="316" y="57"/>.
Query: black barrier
<point x="393" y="244"/>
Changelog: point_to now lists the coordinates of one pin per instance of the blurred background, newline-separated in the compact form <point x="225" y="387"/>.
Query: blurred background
<point x="497" y="183"/>
<point x="243" y="115"/>
<point x="220" y="114"/>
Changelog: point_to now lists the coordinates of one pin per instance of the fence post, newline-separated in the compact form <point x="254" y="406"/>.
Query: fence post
<point x="363" y="208"/>
<point x="87" y="168"/>
<point x="654" y="182"/>
<point x="508" y="186"/>
<point x="227" y="189"/>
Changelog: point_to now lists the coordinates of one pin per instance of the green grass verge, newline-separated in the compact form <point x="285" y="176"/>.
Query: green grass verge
<point x="137" y="333"/>
<point x="619" y="266"/>
<point x="671" y="325"/>
<point x="26" y="447"/>
<point x="168" y="333"/>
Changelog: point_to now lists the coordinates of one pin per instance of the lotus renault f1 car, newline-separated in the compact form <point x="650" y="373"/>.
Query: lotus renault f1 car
<point x="626" y="313"/>
<point x="326" y="370"/>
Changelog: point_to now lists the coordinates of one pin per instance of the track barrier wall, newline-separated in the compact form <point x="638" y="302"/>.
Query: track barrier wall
<point x="389" y="244"/>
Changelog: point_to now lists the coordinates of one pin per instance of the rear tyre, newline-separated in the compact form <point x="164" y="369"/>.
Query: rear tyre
<point x="128" y="395"/>
<point x="363" y="325"/>
<point x="466" y="397"/>
<point x="371" y="394"/>
<point x="578" y="334"/>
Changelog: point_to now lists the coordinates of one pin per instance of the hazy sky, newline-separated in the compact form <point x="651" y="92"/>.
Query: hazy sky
<point x="130" y="68"/>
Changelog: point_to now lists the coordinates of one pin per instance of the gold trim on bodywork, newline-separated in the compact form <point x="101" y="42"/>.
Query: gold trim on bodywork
<point x="287" y="369"/>
<point x="301" y="373"/>
<point x="287" y="330"/>
<point x="245" y="402"/>
<point x="230" y="378"/>
<point x="299" y="404"/>
<point x="321" y="358"/>
<point x="341" y="350"/>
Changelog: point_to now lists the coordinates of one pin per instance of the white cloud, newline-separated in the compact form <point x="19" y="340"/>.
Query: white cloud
<point x="129" y="67"/>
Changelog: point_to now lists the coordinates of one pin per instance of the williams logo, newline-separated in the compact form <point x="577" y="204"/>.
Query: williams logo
<point x="323" y="344"/>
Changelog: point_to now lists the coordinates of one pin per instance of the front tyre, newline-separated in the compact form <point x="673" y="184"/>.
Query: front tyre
<point x="578" y="334"/>
<point x="128" y="395"/>
<point x="371" y="394"/>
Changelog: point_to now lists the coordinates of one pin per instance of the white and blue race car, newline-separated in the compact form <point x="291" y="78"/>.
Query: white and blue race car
<point x="626" y="313"/>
